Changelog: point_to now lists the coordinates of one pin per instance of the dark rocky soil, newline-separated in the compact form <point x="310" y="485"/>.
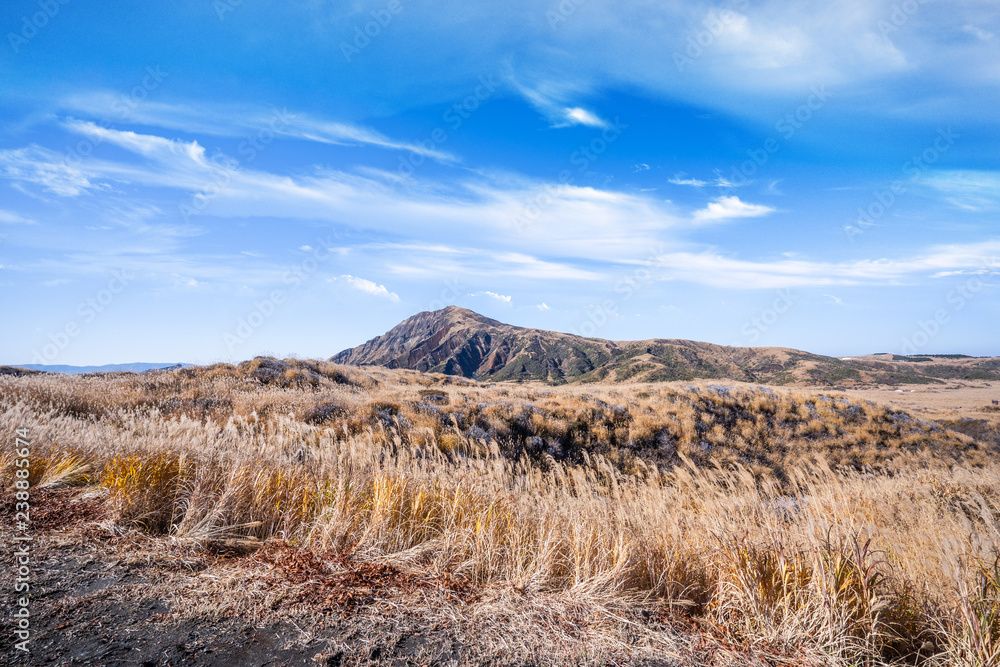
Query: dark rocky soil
<point x="101" y="598"/>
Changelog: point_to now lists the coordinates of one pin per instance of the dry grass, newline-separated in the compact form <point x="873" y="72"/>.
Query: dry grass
<point x="846" y="533"/>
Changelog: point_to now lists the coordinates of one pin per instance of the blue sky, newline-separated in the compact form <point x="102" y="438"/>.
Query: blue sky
<point x="211" y="180"/>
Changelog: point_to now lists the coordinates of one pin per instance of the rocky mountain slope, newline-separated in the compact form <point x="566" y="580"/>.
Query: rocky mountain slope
<point x="457" y="341"/>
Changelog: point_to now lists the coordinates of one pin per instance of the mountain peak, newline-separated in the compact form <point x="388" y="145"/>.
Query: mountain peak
<point x="459" y="341"/>
<point x="451" y="340"/>
<point x="459" y="314"/>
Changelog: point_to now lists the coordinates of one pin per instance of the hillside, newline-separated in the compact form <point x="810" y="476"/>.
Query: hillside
<point x="457" y="341"/>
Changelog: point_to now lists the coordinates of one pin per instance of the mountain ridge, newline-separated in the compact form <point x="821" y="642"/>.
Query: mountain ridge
<point x="458" y="341"/>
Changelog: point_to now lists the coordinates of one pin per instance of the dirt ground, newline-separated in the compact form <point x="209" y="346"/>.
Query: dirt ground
<point x="955" y="400"/>
<point x="100" y="597"/>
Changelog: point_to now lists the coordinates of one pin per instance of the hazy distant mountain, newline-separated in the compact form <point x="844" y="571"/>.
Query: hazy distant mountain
<point x="457" y="341"/>
<point x="138" y="367"/>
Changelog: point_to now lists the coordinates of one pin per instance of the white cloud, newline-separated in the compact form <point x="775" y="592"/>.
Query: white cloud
<point x="512" y="212"/>
<point x="758" y="43"/>
<point x="771" y="51"/>
<point x="740" y="50"/>
<point x="148" y="145"/>
<point x="494" y="295"/>
<point x="10" y="218"/>
<point x="723" y="182"/>
<point x="713" y="269"/>
<point x="177" y="164"/>
<point x="305" y="127"/>
<point x="969" y="272"/>
<point x="978" y="33"/>
<point x="728" y="208"/>
<point x="552" y="98"/>
<point x="369" y="287"/>
<point x="581" y="116"/>
<point x="419" y="260"/>
<point x="574" y="233"/>
<point x="47" y="169"/>
<point x="305" y="248"/>
<point x="543" y="306"/>
<point x="719" y="182"/>
<point x="968" y="190"/>
<point x="243" y="121"/>
<point x="693" y="182"/>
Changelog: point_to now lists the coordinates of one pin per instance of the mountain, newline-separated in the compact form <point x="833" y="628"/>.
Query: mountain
<point x="457" y="341"/>
<point x="137" y="367"/>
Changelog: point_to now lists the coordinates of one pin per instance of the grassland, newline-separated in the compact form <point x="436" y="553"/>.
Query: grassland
<point x="683" y="523"/>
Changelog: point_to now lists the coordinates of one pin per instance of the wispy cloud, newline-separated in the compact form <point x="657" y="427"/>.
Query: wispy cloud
<point x="968" y="190"/>
<point x="10" y="218"/>
<point x="720" y="181"/>
<point x="553" y="101"/>
<point x="247" y="121"/>
<point x="573" y="221"/>
<point x="302" y="126"/>
<point x="580" y="234"/>
<point x="718" y="270"/>
<point x="728" y="208"/>
<point x="418" y="260"/>
<point x="970" y="272"/>
<point x="693" y="182"/>
<point x="47" y="169"/>
<point x="977" y="32"/>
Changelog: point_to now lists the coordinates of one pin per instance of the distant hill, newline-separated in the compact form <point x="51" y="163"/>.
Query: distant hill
<point x="457" y="341"/>
<point x="138" y="367"/>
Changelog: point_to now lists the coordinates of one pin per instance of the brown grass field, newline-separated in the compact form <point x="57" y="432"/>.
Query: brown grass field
<point x="296" y="512"/>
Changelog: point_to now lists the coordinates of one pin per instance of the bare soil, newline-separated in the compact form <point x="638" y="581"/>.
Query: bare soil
<point x="105" y="598"/>
<point x="955" y="400"/>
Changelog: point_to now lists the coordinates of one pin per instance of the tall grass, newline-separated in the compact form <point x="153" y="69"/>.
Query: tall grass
<point x="776" y="548"/>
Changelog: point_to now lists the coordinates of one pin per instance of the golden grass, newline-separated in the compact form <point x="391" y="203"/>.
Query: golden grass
<point x="845" y="531"/>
